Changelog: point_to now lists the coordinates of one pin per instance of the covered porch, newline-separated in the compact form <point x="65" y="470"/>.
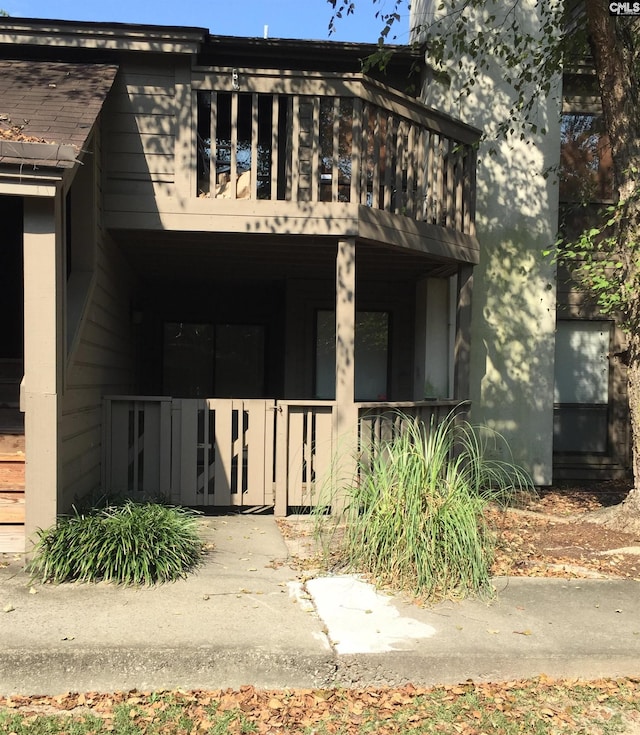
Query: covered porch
<point x="266" y="365"/>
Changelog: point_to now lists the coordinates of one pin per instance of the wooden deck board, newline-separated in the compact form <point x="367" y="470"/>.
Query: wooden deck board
<point x="12" y="539"/>
<point x="11" y="506"/>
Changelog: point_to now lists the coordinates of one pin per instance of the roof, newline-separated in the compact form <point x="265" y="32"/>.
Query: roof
<point x="90" y="35"/>
<point x="102" y="42"/>
<point x="48" y="109"/>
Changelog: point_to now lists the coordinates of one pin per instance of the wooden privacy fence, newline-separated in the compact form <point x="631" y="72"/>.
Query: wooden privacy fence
<point x="237" y="452"/>
<point x="217" y="452"/>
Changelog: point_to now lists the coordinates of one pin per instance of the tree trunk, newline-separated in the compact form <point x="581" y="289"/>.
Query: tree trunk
<point x="632" y="502"/>
<point x="615" y="46"/>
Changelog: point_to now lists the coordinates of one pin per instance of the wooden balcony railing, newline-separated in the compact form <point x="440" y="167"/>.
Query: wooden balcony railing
<point x="339" y="141"/>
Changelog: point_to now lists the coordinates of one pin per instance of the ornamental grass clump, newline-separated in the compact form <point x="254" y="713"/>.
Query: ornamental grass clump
<point x="130" y="544"/>
<point x="414" y="519"/>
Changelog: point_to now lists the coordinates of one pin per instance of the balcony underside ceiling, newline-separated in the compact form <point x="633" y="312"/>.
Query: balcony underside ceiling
<point x="197" y="257"/>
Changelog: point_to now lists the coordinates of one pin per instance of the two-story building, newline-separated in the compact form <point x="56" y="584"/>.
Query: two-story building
<point x="224" y="263"/>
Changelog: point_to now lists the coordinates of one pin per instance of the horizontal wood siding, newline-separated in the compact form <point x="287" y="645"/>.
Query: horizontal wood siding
<point x="140" y="130"/>
<point x="101" y="361"/>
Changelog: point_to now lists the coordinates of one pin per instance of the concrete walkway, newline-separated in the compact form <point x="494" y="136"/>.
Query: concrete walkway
<point x="246" y="617"/>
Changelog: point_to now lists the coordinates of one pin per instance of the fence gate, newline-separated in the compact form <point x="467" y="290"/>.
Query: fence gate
<point x="222" y="451"/>
<point x="195" y="452"/>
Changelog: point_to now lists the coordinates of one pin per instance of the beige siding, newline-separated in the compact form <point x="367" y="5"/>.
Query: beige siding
<point x="100" y="361"/>
<point x="140" y="130"/>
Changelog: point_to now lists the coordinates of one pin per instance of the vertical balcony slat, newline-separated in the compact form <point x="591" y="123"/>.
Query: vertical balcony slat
<point x="387" y="193"/>
<point x="411" y="154"/>
<point x="471" y="192"/>
<point x="213" y="154"/>
<point x="399" y="181"/>
<point x="335" y="148"/>
<point x="275" y="124"/>
<point x="295" y="148"/>
<point x="465" y="189"/>
<point x="233" y="165"/>
<point x="421" y="173"/>
<point x="365" y="160"/>
<point x="430" y="182"/>
<point x="459" y="187"/>
<point x="375" y="184"/>
<point x="439" y="163"/>
<point x="450" y="218"/>
<point x="315" y="151"/>
<point x="356" y="151"/>
<point x="254" y="147"/>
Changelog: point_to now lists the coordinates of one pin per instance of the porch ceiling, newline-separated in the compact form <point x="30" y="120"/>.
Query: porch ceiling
<point x="196" y="257"/>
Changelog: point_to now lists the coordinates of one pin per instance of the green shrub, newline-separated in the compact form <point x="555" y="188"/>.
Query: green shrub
<point x="131" y="544"/>
<point x="414" y="517"/>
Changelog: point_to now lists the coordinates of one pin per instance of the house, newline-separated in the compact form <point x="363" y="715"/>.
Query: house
<point x="547" y="369"/>
<point x="224" y="263"/>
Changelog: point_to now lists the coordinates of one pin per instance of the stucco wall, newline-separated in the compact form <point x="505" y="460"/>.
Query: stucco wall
<point x="513" y="322"/>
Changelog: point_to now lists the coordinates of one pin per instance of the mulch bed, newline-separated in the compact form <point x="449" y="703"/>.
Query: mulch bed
<point x="551" y="536"/>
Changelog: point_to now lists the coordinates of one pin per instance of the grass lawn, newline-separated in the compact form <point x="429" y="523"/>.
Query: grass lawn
<point x="534" y="707"/>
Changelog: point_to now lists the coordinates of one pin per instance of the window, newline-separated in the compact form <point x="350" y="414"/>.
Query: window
<point x="207" y="361"/>
<point x="371" y="358"/>
<point x="586" y="173"/>
<point x="581" y="391"/>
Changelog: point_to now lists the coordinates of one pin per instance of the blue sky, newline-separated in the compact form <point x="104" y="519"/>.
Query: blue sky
<point x="286" y="18"/>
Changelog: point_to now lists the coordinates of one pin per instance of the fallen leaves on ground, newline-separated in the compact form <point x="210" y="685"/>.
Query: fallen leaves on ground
<point x="551" y="537"/>
<point x="540" y="705"/>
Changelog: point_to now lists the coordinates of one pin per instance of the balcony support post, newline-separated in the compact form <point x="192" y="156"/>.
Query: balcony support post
<point x="462" y="350"/>
<point x="346" y="417"/>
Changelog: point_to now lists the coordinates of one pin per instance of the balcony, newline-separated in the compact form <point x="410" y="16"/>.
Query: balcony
<point x="344" y="142"/>
<point x="275" y="152"/>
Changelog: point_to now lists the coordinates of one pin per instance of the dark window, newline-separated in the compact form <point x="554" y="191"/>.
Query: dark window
<point x="586" y="173"/>
<point x="214" y="361"/>
<point x="371" y="355"/>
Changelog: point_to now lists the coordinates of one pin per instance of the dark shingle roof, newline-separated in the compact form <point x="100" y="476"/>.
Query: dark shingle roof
<point x="46" y="102"/>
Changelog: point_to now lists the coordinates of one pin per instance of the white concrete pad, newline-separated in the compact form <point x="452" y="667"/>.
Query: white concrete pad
<point x="361" y="620"/>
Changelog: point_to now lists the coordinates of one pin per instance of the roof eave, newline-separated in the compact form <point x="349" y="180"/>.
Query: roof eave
<point x="101" y="36"/>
